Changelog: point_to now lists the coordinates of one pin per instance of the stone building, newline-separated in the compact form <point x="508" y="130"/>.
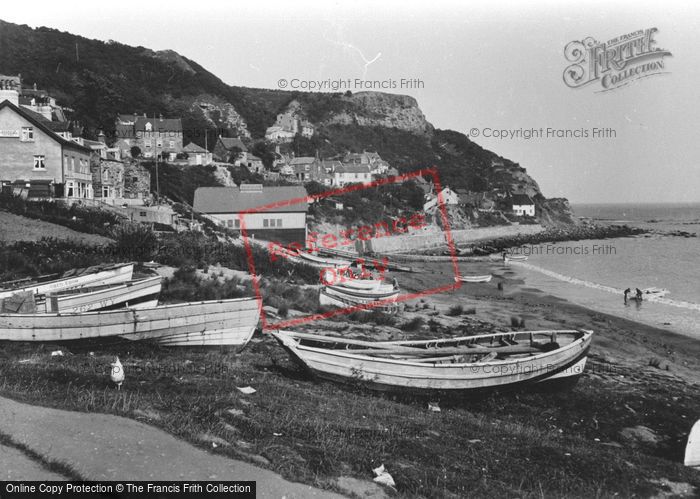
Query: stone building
<point x="155" y="136"/>
<point x="35" y="160"/>
<point x="137" y="181"/>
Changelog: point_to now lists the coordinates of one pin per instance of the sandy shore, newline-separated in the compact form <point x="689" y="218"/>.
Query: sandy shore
<point x="617" y="340"/>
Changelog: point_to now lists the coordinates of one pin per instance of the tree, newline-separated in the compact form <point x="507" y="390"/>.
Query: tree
<point x="265" y="151"/>
<point x="135" y="151"/>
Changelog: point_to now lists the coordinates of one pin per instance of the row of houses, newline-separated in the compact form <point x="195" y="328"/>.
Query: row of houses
<point x="518" y="204"/>
<point x="40" y="157"/>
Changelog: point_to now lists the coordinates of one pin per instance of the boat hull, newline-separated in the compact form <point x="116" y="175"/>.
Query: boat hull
<point x="130" y="294"/>
<point x="474" y="278"/>
<point x="410" y="376"/>
<point x="112" y="275"/>
<point x="327" y="299"/>
<point x="223" y="322"/>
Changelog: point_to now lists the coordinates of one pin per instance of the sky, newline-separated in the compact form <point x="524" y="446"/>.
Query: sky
<point x="482" y="66"/>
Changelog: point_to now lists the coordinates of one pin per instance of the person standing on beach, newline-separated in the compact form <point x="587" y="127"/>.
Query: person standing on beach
<point x="639" y="294"/>
<point x="627" y="291"/>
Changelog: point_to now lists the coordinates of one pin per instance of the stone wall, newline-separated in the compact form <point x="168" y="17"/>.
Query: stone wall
<point x="433" y="238"/>
<point x="137" y="181"/>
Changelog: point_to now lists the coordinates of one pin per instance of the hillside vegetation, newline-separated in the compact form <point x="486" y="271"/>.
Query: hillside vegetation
<point x="98" y="80"/>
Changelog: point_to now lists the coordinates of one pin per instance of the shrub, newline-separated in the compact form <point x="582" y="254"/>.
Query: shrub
<point x="456" y="310"/>
<point x="135" y="241"/>
<point x="412" y="325"/>
<point x="516" y="321"/>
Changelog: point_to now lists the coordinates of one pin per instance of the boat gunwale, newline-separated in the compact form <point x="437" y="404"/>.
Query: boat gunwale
<point x="586" y="336"/>
<point x="127" y="310"/>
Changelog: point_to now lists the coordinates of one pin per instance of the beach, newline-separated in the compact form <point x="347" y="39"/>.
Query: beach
<point x="330" y="435"/>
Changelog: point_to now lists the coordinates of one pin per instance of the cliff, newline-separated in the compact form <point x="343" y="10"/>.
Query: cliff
<point x="97" y="80"/>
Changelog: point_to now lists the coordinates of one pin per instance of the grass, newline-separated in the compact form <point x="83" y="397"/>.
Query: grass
<point x="507" y="445"/>
<point x="54" y="466"/>
<point x="413" y="325"/>
<point x="76" y="217"/>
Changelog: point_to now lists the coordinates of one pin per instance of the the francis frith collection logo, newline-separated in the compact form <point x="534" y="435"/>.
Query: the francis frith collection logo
<point x="615" y="63"/>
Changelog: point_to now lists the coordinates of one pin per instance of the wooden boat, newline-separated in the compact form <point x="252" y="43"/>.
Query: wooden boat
<point x="92" y="276"/>
<point x="378" y="293"/>
<point x="655" y="291"/>
<point x="364" y="284"/>
<point x="692" y="448"/>
<point x="334" y="252"/>
<point x="220" y="322"/>
<point x="346" y="301"/>
<point x="474" y="278"/>
<point x="490" y="361"/>
<point x="515" y="258"/>
<point x="318" y="261"/>
<point x="142" y="293"/>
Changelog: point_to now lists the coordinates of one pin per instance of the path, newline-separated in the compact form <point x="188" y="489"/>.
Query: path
<point x="105" y="447"/>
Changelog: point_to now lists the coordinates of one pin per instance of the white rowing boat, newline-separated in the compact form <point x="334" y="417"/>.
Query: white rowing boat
<point x="220" y="322"/>
<point x="92" y="276"/>
<point x="142" y="293"/>
<point x="346" y="301"/>
<point x="318" y="261"/>
<point x="474" y="278"/>
<point x="354" y="283"/>
<point x="656" y="291"/>
<point x="515" y="258"/>
<point x="490" y="361"/>
<point x="372" y="294"/>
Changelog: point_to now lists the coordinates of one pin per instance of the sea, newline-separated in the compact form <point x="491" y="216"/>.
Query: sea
<point x="594" y="273"/>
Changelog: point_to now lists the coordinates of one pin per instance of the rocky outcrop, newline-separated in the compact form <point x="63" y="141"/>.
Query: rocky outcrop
<point x="220" y="114"/>
<point x="385" y="110"/>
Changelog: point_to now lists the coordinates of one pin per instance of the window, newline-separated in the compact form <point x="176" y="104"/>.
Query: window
<point x="39" y="163"/>
<point x="279" y="222"/>
<point x="70" y="189"/>
<point x="238" y="223"/>
<point x="266" y="222"/>
<point x="27" y="134"/>
<point x="172" y="144"/>
<point x="272" y="222"/>
<point x="105" y="192"/>
<point x="147" y="142"/>
<point x="230" y="223"/>
<point x="72" y="163"/>
<point x="159" y="143"/>
<point x="142" y="213"/>
<point x="105" y="175"/>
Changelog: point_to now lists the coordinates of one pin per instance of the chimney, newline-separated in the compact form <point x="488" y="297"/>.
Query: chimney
<point x="101" y="137"/>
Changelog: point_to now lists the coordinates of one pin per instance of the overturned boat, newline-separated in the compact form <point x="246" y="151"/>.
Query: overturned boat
<point x="218" y="322"/>
<point x="473" y="278"/>
<point x="474" y="363"/>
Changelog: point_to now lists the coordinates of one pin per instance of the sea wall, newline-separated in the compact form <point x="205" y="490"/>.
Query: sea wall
<point x="435" y="238"/>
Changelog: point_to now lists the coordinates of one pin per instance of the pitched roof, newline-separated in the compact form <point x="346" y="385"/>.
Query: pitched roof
<point x="192" y="147"/>
<point x="231" y="142"/>
<point x="42" y="124"/>
<point x="352" y="168"/>
<point x="233" y="200"/>
<point x="521" y="199"/>
<point x="157" y="124"/>
<point x="302" y="160"/>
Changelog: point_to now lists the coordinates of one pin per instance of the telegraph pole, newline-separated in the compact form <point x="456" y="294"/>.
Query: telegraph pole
<point x="155" y="149"/>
